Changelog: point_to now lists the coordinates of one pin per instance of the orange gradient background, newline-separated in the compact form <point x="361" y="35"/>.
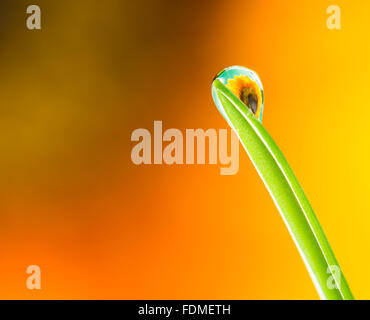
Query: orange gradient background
<point x="100" y="227"/>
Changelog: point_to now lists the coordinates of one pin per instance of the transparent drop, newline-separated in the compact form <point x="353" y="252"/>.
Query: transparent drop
<point x="245" y="85"/>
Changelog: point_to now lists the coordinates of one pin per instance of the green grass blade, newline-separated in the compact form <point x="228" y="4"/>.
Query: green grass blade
<point x="287" y="194"/>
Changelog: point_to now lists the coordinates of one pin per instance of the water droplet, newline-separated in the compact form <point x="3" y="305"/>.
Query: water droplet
<point x="246" y="86"/>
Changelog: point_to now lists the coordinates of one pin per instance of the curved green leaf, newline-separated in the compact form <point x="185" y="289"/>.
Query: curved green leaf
<point x="287" y="194"/>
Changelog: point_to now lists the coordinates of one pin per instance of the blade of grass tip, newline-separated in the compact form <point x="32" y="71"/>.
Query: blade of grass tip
<point x="286" y="193"/>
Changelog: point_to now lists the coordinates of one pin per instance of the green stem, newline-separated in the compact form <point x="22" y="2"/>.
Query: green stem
<point x="287" y="195"/>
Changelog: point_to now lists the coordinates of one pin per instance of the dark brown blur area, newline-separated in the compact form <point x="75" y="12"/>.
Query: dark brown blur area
<point x="72" y="92"/>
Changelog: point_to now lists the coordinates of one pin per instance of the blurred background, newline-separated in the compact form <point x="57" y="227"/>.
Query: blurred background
<point x="100" y="227"/>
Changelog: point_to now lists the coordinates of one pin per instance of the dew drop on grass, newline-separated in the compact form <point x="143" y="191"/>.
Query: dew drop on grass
<point x="246" y="85"/>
